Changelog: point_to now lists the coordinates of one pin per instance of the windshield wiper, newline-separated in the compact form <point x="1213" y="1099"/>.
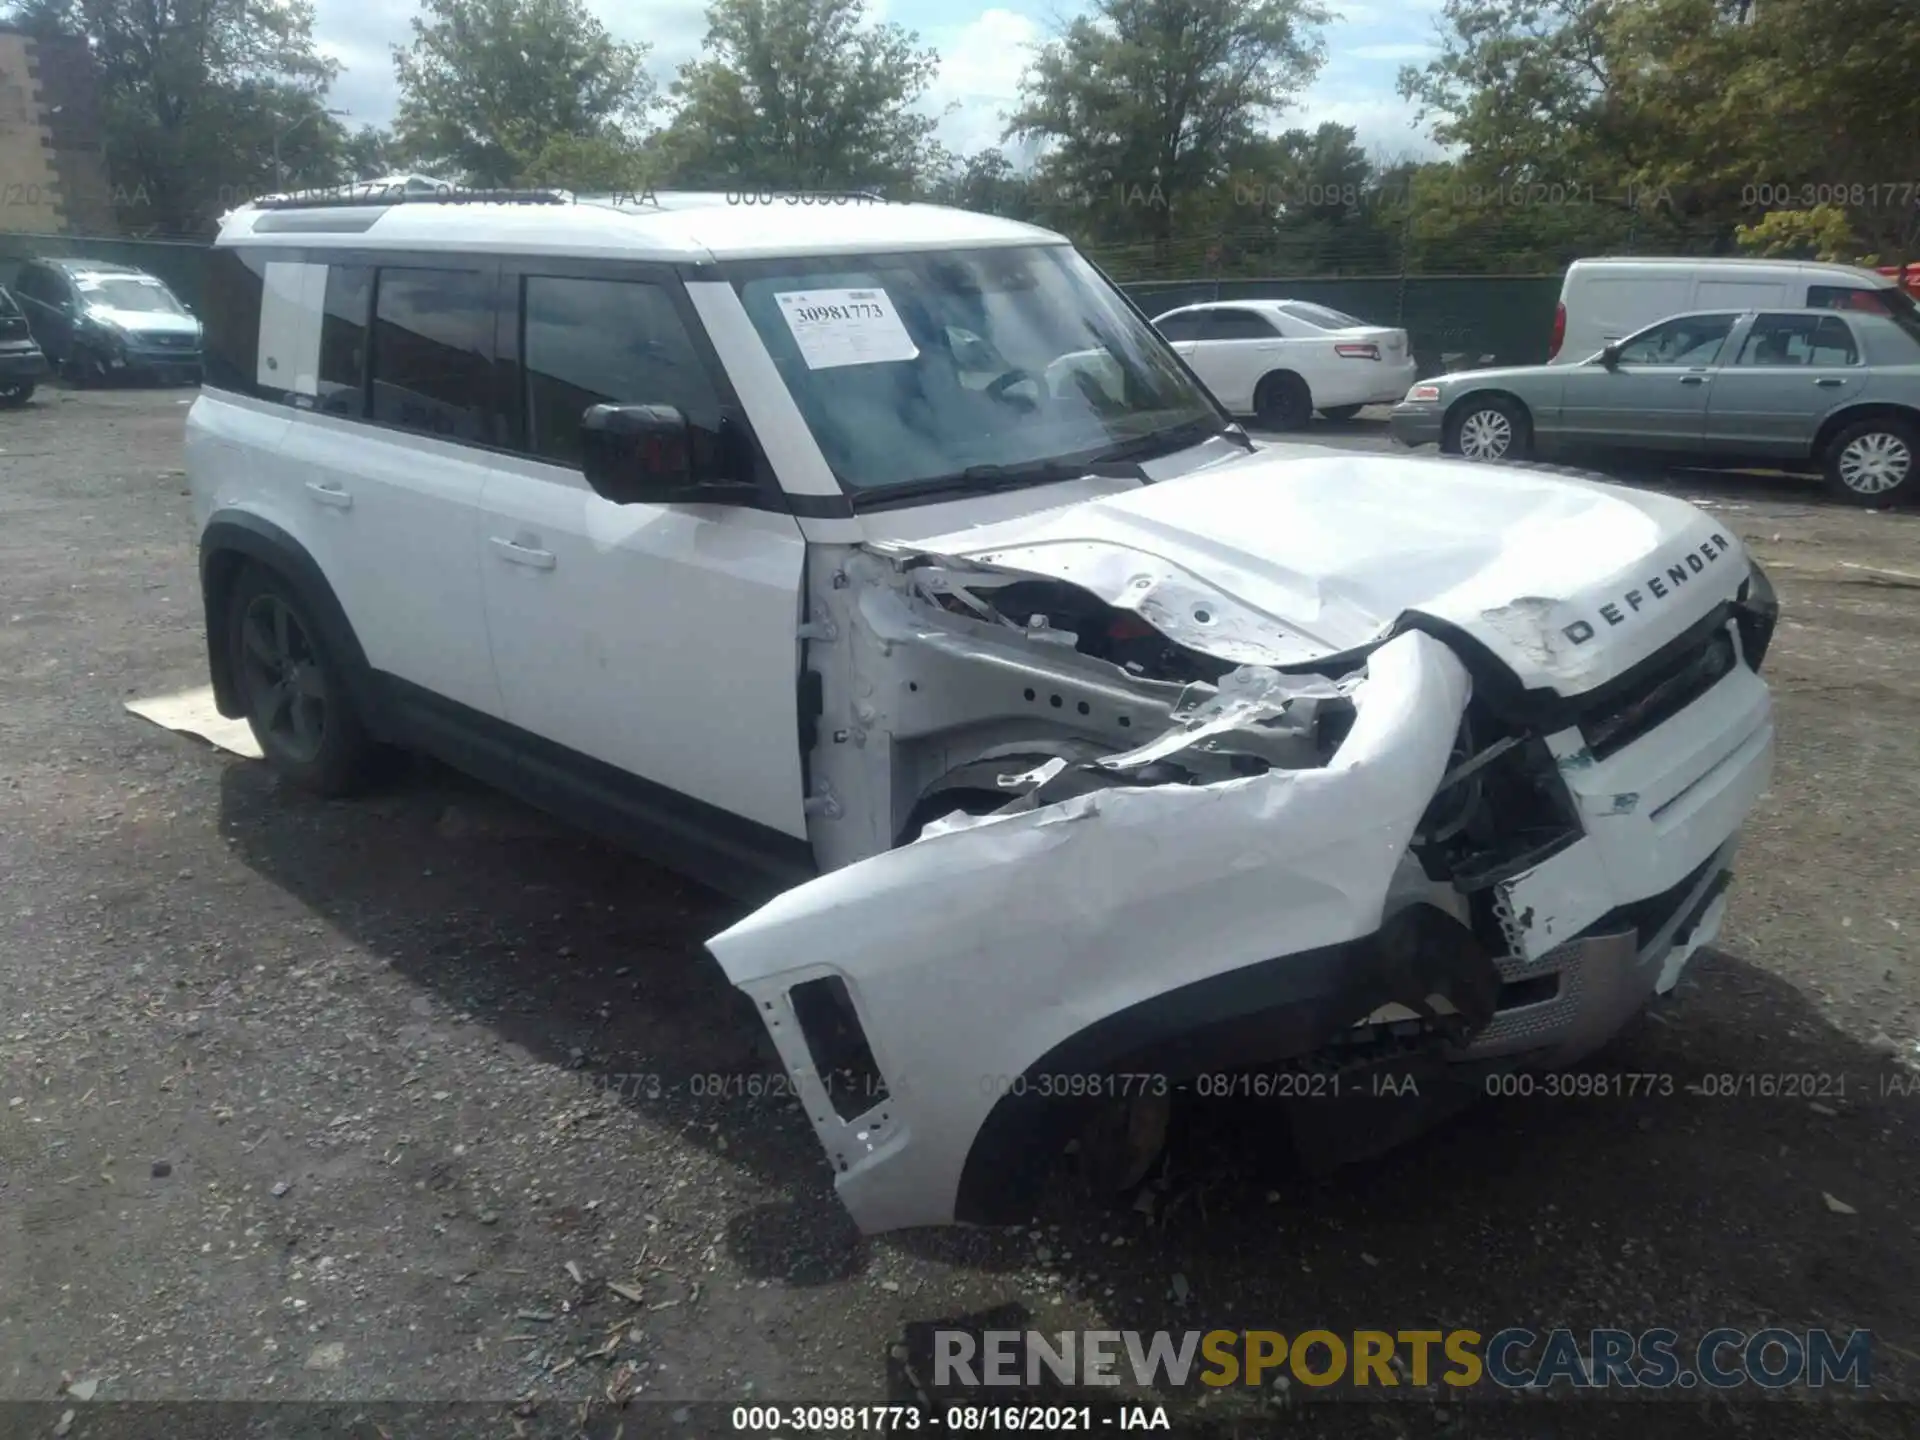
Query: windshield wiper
<point x="984" y="479"/>
<point x="1159" y="443"/>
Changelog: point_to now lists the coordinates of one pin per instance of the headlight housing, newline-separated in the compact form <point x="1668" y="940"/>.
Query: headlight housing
<point x="1756" y="610"/>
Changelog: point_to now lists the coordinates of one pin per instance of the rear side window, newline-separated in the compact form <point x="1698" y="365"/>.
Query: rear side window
<point x="433" y="352"/>
<point x="230" y="342"/>
<point x="605" y="342"/>
<point x="1179" y="327"/>
<point x="1778" y="340"/>
<point x="1238" y="325"/>
<point x="343" y="340"/>
<point x="1848" y="297"/>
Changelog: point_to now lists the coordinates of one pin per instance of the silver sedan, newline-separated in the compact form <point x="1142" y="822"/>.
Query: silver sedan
<point x="1790" y="388"/>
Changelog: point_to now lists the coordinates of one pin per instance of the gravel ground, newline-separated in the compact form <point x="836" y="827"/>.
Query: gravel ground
<point x="381" y="1100"/>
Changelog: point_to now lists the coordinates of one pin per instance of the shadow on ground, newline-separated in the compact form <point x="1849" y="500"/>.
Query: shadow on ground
<point x="1706" y="1196"/>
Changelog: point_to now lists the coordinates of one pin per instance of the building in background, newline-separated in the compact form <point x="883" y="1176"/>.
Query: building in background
<point x="53" y="174"/>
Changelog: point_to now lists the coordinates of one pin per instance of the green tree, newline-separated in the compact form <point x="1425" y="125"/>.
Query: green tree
<point x="987" y="182"/>
<point x="495" y="89"/>
<point x="803" y="94"/>
<point x="194" y="94"/>
<point x="1144" y="104"/>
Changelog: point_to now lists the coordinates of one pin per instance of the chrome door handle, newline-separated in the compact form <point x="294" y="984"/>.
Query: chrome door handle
<point x="1693" y="379"/>
<point x="329" y="495"/>
<point x="523" y="554"/>
<point x="1828" y="382"/>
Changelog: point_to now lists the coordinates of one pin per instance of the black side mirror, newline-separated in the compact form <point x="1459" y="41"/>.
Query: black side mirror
<point x="1610" y="357"/>
<point x="652" y="455"/>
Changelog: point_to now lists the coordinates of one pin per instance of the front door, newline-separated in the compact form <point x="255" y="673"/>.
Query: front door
<point x="660" y="640"/>
<point x="1791" y="372"/>
<point x="1655" y="396"/>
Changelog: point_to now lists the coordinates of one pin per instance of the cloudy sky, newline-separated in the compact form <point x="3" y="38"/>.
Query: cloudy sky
<point x="983" y="53"/>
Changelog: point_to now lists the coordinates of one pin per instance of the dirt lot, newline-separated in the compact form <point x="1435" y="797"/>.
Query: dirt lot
<point x="355" y="1101"/>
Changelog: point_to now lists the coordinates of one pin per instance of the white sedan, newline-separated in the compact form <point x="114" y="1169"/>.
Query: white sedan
<point x="1281" y="360"/>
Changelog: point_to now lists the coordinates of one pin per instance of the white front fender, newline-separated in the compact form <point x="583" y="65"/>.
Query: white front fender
<point x="975" y="953"/>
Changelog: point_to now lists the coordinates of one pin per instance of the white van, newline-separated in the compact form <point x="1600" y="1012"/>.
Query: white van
<point x="1077" y="754"/>
<point x="1605" y="300"/>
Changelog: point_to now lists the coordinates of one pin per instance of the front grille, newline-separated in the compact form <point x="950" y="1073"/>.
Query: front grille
<point x="171" y="342"/>
<point x="1658" y="692"/>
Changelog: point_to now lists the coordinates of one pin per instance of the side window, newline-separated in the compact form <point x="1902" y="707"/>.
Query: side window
<point x="1799" y="340"/>
<point x="1847" y="297"/>
<point x="433" y="352"/>
<point x="343" y="340"/>
<point x="1237" y="325"/>
<point x="605" y="342"/>
<point x="1687" y="341"/>
<point x="25" y="283"/>
<point x="1180" y="327"/>
<point x="230" y="346"/>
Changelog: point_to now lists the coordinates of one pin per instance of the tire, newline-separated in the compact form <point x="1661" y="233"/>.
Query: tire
<point x="1489" y="428"/>
<point x="1282" y="402"/>
<point x="1874" y="462"/>
<point x="12" y="397"/>
<point x="293" y="691"/>
<point x="1341" y="412"/>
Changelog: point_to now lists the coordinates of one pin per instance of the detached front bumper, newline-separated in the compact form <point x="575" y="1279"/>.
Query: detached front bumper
<point x="1001" y="976"/>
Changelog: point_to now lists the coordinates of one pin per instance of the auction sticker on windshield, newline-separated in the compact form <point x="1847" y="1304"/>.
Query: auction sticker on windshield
<point x="845" y="327"/>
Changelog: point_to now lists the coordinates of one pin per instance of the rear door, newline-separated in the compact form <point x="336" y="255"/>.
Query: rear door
<point x="1235" y="349"/>
<point x="389" y="373"/>
<point x="1655" y="398"/>
<point x="1790" y="372"/>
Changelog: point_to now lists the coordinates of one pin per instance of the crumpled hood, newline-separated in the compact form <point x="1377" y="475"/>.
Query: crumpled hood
<point x="1282" y="561"/>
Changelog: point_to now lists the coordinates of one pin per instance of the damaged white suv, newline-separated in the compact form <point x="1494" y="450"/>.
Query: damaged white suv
<point x="880" y="563"/>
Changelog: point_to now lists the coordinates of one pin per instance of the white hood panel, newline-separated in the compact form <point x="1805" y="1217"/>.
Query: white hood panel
<point x="1567" y="581"/>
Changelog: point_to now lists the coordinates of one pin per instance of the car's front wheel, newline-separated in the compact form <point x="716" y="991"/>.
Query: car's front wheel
<point x="1874" y="461"/>
<point x="1489" y="428"/>
<point x="13" y="396"/>
<point x="293" y="690"/>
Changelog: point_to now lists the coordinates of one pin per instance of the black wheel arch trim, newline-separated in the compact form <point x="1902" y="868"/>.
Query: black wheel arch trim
<point x="233" y="538"/>
<point x="1272" y="1010"/>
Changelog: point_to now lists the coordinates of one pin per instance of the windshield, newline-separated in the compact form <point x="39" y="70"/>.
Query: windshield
<point x="919" y="368"/>
<point x="128" y="292"/>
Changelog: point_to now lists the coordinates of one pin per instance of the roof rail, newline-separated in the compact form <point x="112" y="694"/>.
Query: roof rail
<point x="332" y="199"/>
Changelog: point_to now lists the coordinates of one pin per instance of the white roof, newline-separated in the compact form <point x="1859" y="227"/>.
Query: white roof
<point x="1744" y="262"/>
<point x="689" y="229"/>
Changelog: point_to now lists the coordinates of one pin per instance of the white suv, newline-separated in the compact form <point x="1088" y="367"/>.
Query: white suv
<point x="881" y="564"/>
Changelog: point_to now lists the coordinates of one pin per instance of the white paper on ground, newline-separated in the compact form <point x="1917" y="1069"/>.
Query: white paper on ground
<point x="845" y="327"/>
<point x="192" y="712"/>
